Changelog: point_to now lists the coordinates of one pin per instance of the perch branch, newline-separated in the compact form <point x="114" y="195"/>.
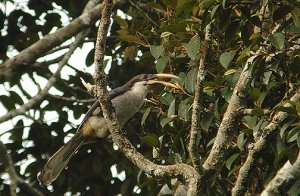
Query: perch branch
<point x="197" y="105"/>
<point x="178" y="170"/>
<point x="284" y="179"/>
<point x="255" y="150"/>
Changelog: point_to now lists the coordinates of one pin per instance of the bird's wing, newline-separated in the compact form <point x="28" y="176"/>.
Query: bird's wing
<point x="95" y="109"/>
<point x="60" y="159"/>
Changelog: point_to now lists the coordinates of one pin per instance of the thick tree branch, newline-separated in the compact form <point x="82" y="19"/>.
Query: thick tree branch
<point x="284" y="179"/>
<point x="41" y="95"/>
<point x="172" y="171"/>
<point x="256" y="149"/>
<point x="232" y="117"/>
<point x="229" y="124"/>
<point x="15" y="179"/>
<point x="28" y="56"/>
<point x="197" y="105"/>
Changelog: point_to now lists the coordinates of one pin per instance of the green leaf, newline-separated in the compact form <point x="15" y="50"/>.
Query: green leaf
<point x="295" y="29"/>
<point x="131" y="52"/>
<point x="211" y="142"/>
<point x="191" y="79"/>
<point x="132" y="39"/>
<point x="165" y="34"/>
<point x="120" y="21"/>
<point x="277" y="40"/>
<point x="7" y="102"/>
<point x="293" y="134"/>
<point x="171" y="110"/>
<point x="145" y="116"/>
<point x="298" y="141"/>
<point x="229" y="72"/>
<point x="166" y="98"/>
<point x="193" y="47"/>
<point x="282" y="11"/>
<point x="258" y="111"/>
<point x="161" y="64"/>
<point x="184" y="108"/>
<point x="206" y="121"/>
<point x="152" y="140"/>
<point x="17" y="99"/>
<point x="226" y="58"/>
<point x="165" y="121"/>
<point x="293" y="154"/>
<point x="296" y="16"/>
<point x="241" y="141"/>
<point x="243" y="54"/>
<point x="255" y="94"/>
<point x="89" y="60"/>
<point x="209" y="90"/>
<point x="230" y="160"/>
<point x="156" y="51"/>
<point x="284" y="127"/>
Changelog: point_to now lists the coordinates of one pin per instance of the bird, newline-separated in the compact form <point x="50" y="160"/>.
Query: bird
<point x="126" y="101"/>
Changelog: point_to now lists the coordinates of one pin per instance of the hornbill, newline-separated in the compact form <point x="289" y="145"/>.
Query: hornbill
<point x="126" y="100"/>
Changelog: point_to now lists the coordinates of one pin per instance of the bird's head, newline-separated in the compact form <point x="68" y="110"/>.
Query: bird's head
<point x="143" y="81"/>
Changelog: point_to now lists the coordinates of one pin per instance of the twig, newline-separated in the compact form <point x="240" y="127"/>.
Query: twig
<point x="142" y="11"/>
<point x="26" y="57"/>
<point x="15" y="180"/>
<point x="230" y="121"/>
<point x="143" y="6"/>
<point x="284" y="178"/>
<point x="72" y="99"/>
<point x="255" y="149"/>
<point x="46" y="63"/>
<point x="178" y="170"/>
<point x="197" y="105"/>
<point x="40" y="96"/>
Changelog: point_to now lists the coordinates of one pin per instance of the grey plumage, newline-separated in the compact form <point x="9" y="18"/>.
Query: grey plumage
<point x="126" y="100"/>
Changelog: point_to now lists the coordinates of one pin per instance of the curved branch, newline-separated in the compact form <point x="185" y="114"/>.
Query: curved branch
<point x="179" y="170"/>
<point x="142" y="11"/>
<point x="15" y="179"/>
<point x="28" y="56"/>
<point x="197" y="105"/>
<point x="284" y="179"/>
<point x="72" y="99"/>
<point x="255" y="150"/>
<point x="40" y="96"/>
<point x="231" y="118"/>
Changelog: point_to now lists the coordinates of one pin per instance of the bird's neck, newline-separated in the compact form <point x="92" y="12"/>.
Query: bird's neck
<point x="140" y="90"/>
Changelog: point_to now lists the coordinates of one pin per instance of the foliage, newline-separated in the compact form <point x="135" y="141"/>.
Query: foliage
<point x="161" y="130"/>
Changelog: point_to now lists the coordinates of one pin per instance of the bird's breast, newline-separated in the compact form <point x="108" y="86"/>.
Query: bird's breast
<point x="127" y="105"/>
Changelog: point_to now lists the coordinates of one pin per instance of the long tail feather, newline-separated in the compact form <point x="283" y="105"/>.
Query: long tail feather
<point x="60" y="159"/>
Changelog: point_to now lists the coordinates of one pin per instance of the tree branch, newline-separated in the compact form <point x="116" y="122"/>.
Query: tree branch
<point x="284" y="179"/>
<point x="231" y="118"/>
<point x="179" y="170"/>
<point x="72" y="99"/>
<point x="255" y="150"/>
<point x="197" y="105"/>
<point x="28" y="56"/>
<point x="142" y="11"/>
<point x="40" y="96"/>
<point x="15" y="179"/>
